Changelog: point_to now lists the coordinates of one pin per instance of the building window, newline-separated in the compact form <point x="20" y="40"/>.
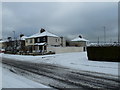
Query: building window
<point x="44" y="39"/>
<point x="26" y="41"/>
<point x="30" y="40"/>
<point x="38" y="39"/>
<point x="56" y="40"/>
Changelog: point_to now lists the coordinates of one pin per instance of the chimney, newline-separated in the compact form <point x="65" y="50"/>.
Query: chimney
<point x="80" y="36"/>
<point x="21" y="35"/>
<point x="42" y="30"/>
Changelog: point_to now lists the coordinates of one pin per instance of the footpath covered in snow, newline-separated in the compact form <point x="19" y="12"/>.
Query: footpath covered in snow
<point x="12" y="80"/>
<point x="77" y="61"/>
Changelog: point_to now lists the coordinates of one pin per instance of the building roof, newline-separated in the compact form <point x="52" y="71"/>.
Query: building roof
<point x="39" y="43"/>
<point x="6" y="40"/>
<point x="23" y="37"/>
<point x="45" y="33"/>
<point x="1" y="41"/>
<point x="80" y="39"/>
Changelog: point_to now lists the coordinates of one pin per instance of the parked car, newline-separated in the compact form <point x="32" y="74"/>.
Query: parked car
<point x="2" y="50"/>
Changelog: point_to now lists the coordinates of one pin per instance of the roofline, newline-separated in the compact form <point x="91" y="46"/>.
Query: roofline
<point x="80" y="40"/>
<point x="40" y="36"/>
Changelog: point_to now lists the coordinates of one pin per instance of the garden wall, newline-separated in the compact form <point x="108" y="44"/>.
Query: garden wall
<point x="65" y="49"/>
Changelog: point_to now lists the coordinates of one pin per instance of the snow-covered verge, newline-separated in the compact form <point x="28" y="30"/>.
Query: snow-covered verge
<point x="12" y="80"/>
<point x="76" y="60"/>
<point x="0" y="76"/>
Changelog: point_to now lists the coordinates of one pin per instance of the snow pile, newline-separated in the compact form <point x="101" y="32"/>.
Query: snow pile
<point x="0" y="76"/>
<point x="76" y="60"/>
<point x="12" y="80"/>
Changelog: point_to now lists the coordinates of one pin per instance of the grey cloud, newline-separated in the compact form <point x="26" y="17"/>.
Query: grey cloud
<point x="67" y="19"/>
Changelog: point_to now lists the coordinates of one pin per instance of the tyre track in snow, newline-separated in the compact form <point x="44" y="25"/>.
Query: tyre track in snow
<point x="77" y="79"/>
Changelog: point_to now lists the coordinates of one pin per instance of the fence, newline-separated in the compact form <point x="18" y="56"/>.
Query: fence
<point x="104" y="53"/>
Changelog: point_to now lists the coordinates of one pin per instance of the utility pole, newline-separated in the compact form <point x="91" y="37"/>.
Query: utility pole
<point x="104" y="34"/>
<point x="118" y="34"/>
<point x="98" y="40"/>
<point x="110" y="40"/>
<point x="119" y="22"/>
<point x="14" y="34"/>
<point x="14" y="42"/>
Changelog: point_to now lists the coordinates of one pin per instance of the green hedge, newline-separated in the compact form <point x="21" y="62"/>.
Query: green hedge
<point x="104" y="53"/>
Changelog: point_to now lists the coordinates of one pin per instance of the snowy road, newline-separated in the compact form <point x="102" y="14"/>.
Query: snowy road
<point x="76" y="60"/>
<point x="65" y="77"/>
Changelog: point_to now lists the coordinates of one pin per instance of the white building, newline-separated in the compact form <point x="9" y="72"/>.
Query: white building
<point x="40" y="42"/>
<point x="79" y="41"/>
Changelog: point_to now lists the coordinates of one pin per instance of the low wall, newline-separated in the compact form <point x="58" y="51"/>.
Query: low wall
<point x="65" y="49"/>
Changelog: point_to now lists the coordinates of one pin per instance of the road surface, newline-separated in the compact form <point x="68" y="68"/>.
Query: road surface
<point x="62" y="77"/>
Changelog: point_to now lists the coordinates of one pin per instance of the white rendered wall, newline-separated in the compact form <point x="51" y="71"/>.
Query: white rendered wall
<point x="65" y="49"/>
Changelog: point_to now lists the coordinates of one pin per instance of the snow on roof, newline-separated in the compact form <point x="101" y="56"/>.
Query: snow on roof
<point x="104" y="44"/>
<point x="3" y="41"/>
<point x="23" y="37"/>
<point x="39" y="44"/>
<point x="6" y="40"/>
<point x="45" y="33"/>
<point x="80" y="39"/>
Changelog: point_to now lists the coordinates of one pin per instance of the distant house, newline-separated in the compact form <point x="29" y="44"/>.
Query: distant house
<point x="22" y="48"/>
<point x="7" y="44"/>
<point x="10" y="45"/>
<point x="40" y="42"/>
<point x="2" y="45"/>
<point x="79" y="42"/>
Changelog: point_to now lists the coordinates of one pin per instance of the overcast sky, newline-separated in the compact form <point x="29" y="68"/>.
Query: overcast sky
<point x="63" y="19"/>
